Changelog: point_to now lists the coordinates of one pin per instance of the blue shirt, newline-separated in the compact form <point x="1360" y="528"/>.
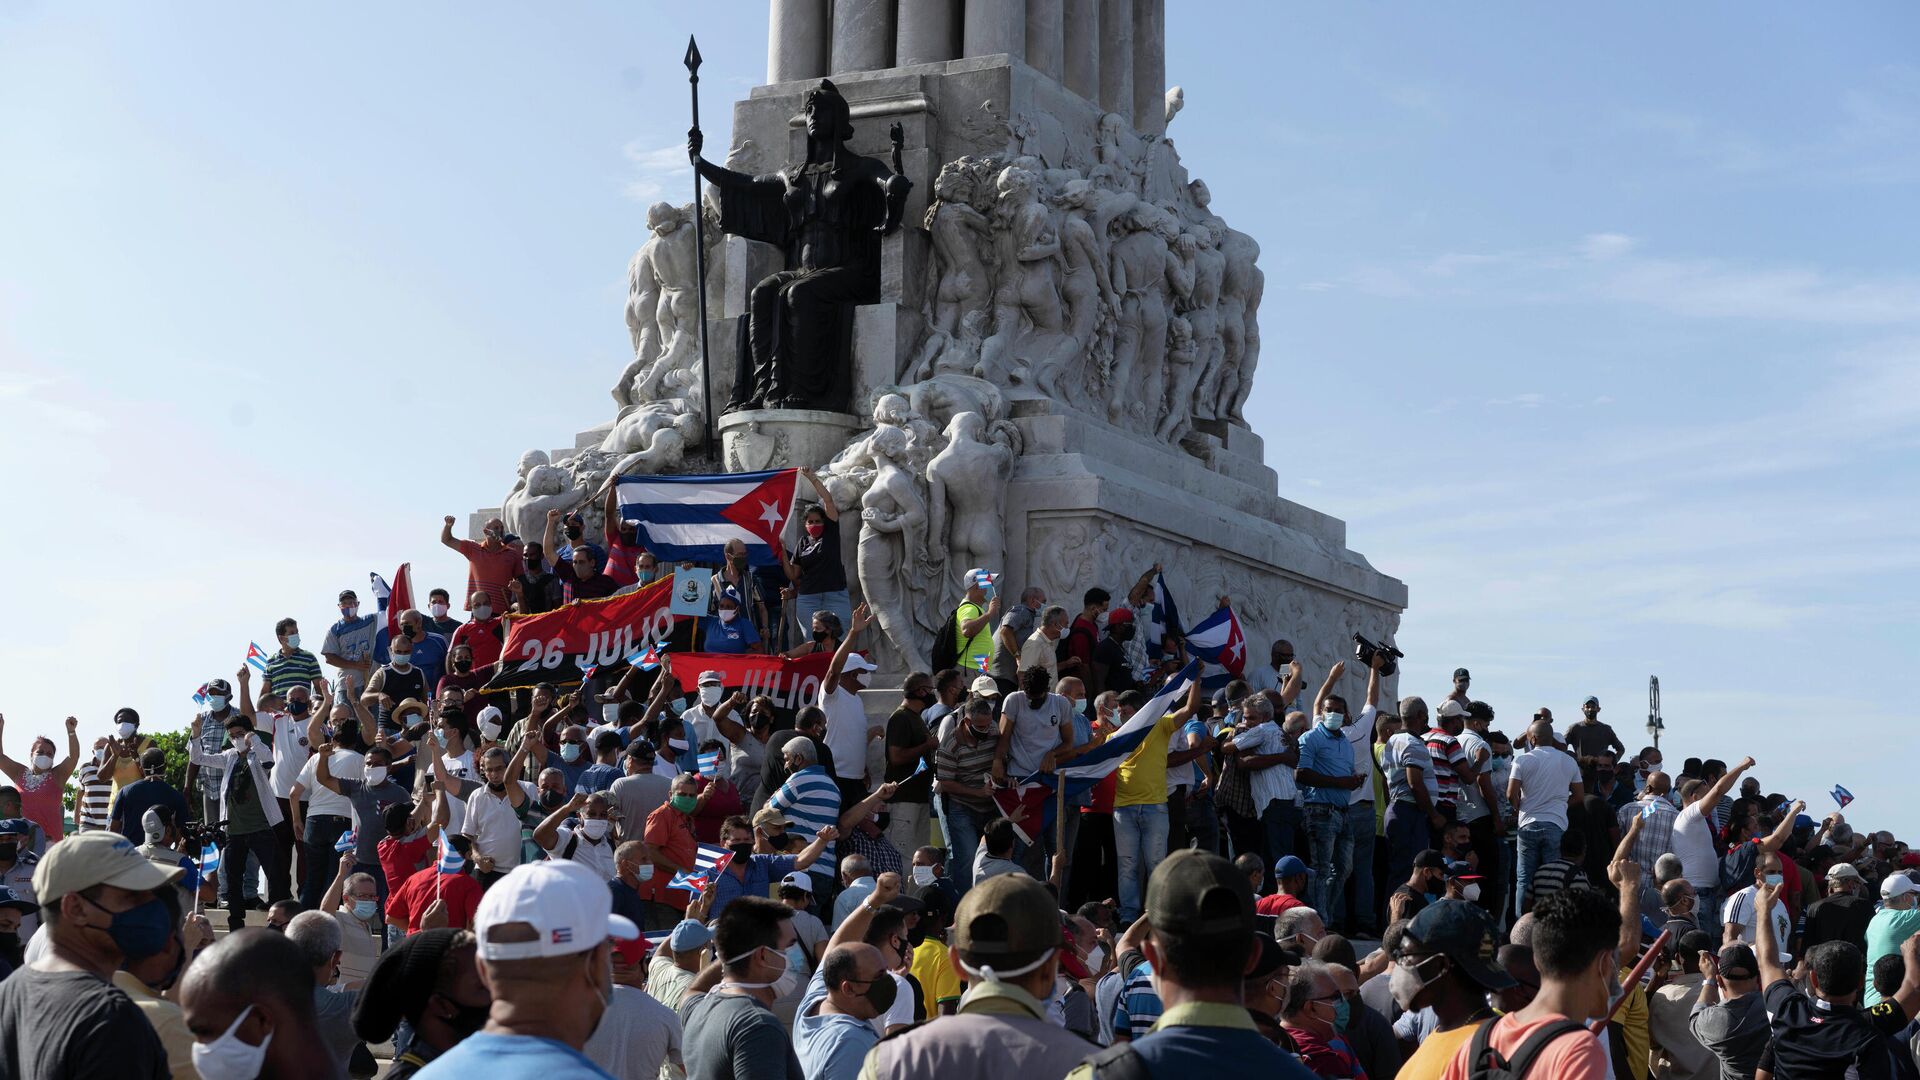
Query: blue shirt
<point x="429" y="655"/>
<point x="512" y="1057"/>
<point x="1139" y="1004"/>
<point x="627" y="902"/>
<point x="830" y="1046"/>
<point x="597" y="777"/>
<point x="1082" y="735"/>
<point x="1196" y="1039"/>
<point x="762" y="872"/>
<point x="733" y="637"/>
<point x="573" y="772"/>
<point x="1329" y="754"/>
<point x="811" y="800"/>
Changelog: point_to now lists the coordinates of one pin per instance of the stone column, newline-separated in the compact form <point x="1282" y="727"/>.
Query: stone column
<point x="797" y="40"/>
<point x="1150" y="66"/>
<point x="1044" y="42"/>
<point x="929" y="32"/>
<point x="995" y="26"/>
<point x="862" y="35"/>
<point x="1116" y="57"/>
<point x="1081" y="33"/>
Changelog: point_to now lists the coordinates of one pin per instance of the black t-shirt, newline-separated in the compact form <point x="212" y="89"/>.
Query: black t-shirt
<point x="906" y="729"/>
<point x="1586" y="740"/>
<point x="136" y="798"/>
<point x="819" y="563"/>
<point x="1415" y="906"/>
<point x="71" y="1025"/>
<point x="1838" y="918"/>
<point x="1816" y="1042"/>
<point x="1119" y="673"/>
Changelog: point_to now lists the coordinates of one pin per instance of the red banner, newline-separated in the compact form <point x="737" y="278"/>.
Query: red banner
<point x="790" y="683"/>
<point x="590" y="632"/>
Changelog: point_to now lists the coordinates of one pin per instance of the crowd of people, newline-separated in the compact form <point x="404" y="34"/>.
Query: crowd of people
<point x="619" y="879"/>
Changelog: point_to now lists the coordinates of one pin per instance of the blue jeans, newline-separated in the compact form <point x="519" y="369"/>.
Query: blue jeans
<point x="1353" y="858"/>
<point x="1327" y="849"/>
<point x="1281" y="819"/>
<point x="1539" y="845"/>
<point x="1140" y="839"/>
<point x="961" y="825"/>
<point x="805" y="604"/>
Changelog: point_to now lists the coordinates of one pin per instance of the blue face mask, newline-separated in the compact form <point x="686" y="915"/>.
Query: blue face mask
<point x="138" y="932"/>
<point x="364" y="910"/>
<point x="1775" y="879"/>
<point x="570" y="752"/>
<point x="1342" y="1013"/>
<point x="1334" y="721"/>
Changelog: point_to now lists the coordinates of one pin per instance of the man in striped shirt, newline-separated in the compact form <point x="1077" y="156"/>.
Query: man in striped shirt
<point x="1451" y="769"/>
<point x="93" y="794"/>
<point x="292" y="665"/>
<point x="811" y="800"/>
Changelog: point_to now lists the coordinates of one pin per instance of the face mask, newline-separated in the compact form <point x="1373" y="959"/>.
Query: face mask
<point x="710" y="696"/>
<point x="376" y="775"/>
<point x="787" y="983"/>
<point x="463" y="666"/>
<point x="741" y="851"/>
<point x="127" y="730"/>
<point x="365" y="910"/>
<point x="684" y="803"/>
<point x="1406" y="982"/>
<point x="228" y="1058"/>
<point x="298" y="706"/>
<point x="923" y="875"/>
<point x="678" y="746"/>
<point x="441" y="738"/>
<point x="643" y="872"/>
<point x="1334" y="721"/>
<point x="42" y="762"/>
<point x="483" y="612"/>
<point x="533" y="565"/>
<point x="216" y="702"/>
<point x="9" y="851"/>
<point x="1471" y="893"/>
<point x="498" y="787"/>
<point x="1775" y="879"/>
<point x="816" y="529"/>
<point x="594" y="829"/>
<point x="727" y="615"/>
<point x="439" y="610"/>
<point x="293" y="641"/>
<point x="569" y="752"/>
<point x="819" y="635"/>
<point x="575" y="532"/>
<point x="777" y="841"/>
<point x="402" y="661"/>
<point x="351" y="611"/>
<point x="1342" y="1014"/>
<point x="796" y="957"/>
<point x="491" y="728"/>
<point x="139" y="932"/>
<point x="880" y="992"/>
<point x="1096" y="956"/>
<point x="467" y="1019"/>
<point x="552" y="800"/>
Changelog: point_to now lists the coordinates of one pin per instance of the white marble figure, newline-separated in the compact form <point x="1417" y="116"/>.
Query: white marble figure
<point x="1176" y="100"/>
<point x="852" y="471"/>
<point x="967" y="491"/>
<point x="1205" y="267"/>
<point x="1026" y="303"/>
<point x="1148" y="277"/>
<point x="545" y="487"/>
<point x="1087" y="288"/>
<point x="654" y="438"/>
<point x="1119" y="146"/>
<point x="1183" y="373"/>
<point x="894" y="563"/>
<point x="1240" y="292"/>
<point x="962" y="238"/>
<point x="663" y="305"/>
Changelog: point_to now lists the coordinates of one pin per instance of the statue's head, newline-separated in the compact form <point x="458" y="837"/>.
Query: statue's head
<point x="954" y="184"/>
<point x="1016" y="183"/>
<point x="546" y="480"/>
<point x="828" y="116"/>
<point x="531" y="459"/>
<point x="1216" y="232"/>
<point x="889" y="442"/>
<point x="1187" y="243"/>
<point x="967" y="426"/>
<point x="1181" y="329"/>
<point x="1111" y="125"/>
<point x="663" y="218"/>
<point x="1077" y="194"/>
<point x="892" y="409"/>
<point x="1197" y="190"/>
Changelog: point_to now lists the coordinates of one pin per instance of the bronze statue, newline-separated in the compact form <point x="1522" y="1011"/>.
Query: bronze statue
<point x="828" y="214"/>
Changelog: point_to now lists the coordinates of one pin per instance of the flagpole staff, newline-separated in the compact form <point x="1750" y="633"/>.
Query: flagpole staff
<point x="1059" y="833"/>
<point x="692" y="60"/>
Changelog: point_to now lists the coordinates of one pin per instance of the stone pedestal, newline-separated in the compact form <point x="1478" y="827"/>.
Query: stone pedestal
<point x="756" y="439"/>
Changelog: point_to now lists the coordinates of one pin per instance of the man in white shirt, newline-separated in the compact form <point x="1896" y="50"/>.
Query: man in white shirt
<point x="1545" y="780"/>
<point x="1269" y="756"/>
<point x="1042" y="647"/>
<point x="1413" y="792"/>
<point x="1273" y="675"/>
<point x="1693" y="835"/>
<point x="1741" y="911"/>
<point x="848" y="729"/>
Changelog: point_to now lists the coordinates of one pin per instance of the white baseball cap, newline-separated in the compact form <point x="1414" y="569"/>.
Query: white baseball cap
<point x="980" y="577"/>
<point x="799" y="879"/>
<point x="1897" y="885"/>
<point x="857" y="663"/>
<point x="552" y="908"/>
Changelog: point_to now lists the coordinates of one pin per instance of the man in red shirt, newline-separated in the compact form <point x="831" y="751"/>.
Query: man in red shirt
<point x="491" y="563"/>
<point x="430" y="899"/>
<point x="1291" y="872"/>
<point x="484" y="633"/>
<point x="670" y="837"/>
<point x="1085" y="634"/>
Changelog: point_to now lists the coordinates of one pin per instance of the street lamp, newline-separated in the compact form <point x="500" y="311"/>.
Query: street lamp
<point x="1655" y="725"/>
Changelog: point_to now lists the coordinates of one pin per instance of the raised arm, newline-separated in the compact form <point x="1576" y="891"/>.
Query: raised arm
<point x="1625" y="874"/>
<point x="331" y="901"/>
<point x="970" y="627"/>
<point x="546" y="536"/>
<point x="857" y="813"/>
<point x="1778" y="837"/>
<point x="1373" y="681"/>
<point x="807" y="856"/>
<point x="725" y="717"/>
<point x="65" y="768"/>
<point x="862" y="618"/>
<point x="194" y="753"/>
<point x="827" y="505"/>
<point x="1326" y="688"/>
<point x="446" y="535"/>
<point x="323" y="767"/>
<point x="854" y="929"/>
<point x="1766" y="947"/>
<point x="547" y="833"/>
<point x="1723" y="785"/>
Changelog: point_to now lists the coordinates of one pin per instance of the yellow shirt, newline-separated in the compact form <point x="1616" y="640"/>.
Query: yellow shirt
<point x="979" y="647"/>
<point x="931" y="969"/>
<point x="1143" y="775"/>
<point x="1428" y="1062"/>
<point x="1632" y="1021"/>
<point x="168" y="1022"/>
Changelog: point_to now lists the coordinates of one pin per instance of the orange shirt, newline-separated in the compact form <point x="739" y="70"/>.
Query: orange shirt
<point x="489" y="572"/>
<point x="669" y="831"/>
<point x="1569" y="1057"/>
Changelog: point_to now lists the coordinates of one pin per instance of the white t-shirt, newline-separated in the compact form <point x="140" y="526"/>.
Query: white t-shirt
<point x="322" y="800"/>
<point x="1473" y="805"/>
<point x="1739" y="909"/>
<point x="1274" y="783"/>
<point x="846" y="731"/>
<point x="495" y="825"/>
<point x="595" y="857"/>
<point x="1546" y="780"/>
<point x="1693" y="842"/>
<point x="700" y="727"/>
<point x="460" y="766"/>
<point x="290" y="751"/>
<point x="1359" y="733"/>
<point x="636" y="1035"/>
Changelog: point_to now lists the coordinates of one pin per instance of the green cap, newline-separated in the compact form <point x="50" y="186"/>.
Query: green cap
<point x="1007" y="916"/>
<point x="1196" y="894"/>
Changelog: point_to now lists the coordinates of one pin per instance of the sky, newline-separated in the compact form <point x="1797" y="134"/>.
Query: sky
<point x="1600" y="327"/>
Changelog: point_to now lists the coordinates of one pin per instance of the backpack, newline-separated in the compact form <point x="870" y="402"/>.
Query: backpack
<point x="1486" y="1063"/>
<point x="1736" y="867"/>
<point x="1119" y="1062"/>
<point x="946" y="642"/>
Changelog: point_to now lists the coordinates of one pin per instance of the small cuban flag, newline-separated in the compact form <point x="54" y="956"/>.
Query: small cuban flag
<point x="1842" y="796"/>
<point x="983" y="662"/>
<point x="648" y="658"/>
<point x="200" y="695"/>
<point x="921" y="767"/>
<point x="450" y="860"/>
<point x="708" y="863"/>
<point x="345" y="843"/>
<point x="257" y="657"/>
<point x="708" y="762"/>
<point x="209" y="861"/>
<point x="587" y="673"/>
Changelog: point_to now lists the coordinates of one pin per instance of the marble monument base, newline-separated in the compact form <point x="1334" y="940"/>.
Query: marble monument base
<point x="753" y="440"/>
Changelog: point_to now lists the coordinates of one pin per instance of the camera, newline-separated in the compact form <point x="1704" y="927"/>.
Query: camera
<point x="196" y="835"/>
<point x="1364" y="651"/>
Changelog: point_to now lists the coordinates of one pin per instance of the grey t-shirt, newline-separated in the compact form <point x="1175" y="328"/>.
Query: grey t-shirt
<point x="1036" y="730"/>
<point x="1735" y="1031"/>
<point x="60" y="1024"/>
<point x="1006" y="663"/>
<point x="368" y="804"/>
<point x="637" y="796"/>
<point x="333" y="1015"/>
<point x="734" y="1037"/>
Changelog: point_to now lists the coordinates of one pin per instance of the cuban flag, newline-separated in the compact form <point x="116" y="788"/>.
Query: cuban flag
<point x="200" y="695"/>
<point x="708" y="762"/>
<point x="1842" y="796"/>
<point x="649" y="658"/>
<point x="450" y="860"/>
<point x="1218" y="642"/>
<point x="209" y="861"/>
<point x="346" y="842"/>
<point x="396" y="598"/>
<point x="691" y="518"/>
<point x="257" y="657"/>
<point x="1035" y="794"/>
<point x="1162" y="617"/>
<point x="708" y="863"/>
<point x="588" y="672"/>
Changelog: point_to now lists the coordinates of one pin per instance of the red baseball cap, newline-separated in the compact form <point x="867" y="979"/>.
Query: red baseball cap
<point x="1070" y="960"/>
<point x="1119" y="615"/>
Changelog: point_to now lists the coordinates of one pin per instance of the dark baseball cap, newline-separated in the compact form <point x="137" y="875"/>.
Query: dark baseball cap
<point x="1007" y="916"/>
<point x="1737" y="962"/>
<point x="1273" y="957"/>
<point x="1461" y="673"/>
<point x="1199" y="895"/>
<point x="1465" y="935"/>
<point x="1430" y="860"/>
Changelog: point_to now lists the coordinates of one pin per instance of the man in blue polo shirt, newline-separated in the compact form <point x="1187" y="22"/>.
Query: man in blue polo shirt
<point x="752" y="873"/>
<point x="1326" y="779"/>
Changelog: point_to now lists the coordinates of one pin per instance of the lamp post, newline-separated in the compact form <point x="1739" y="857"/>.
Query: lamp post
<point x="1655" y="725"/>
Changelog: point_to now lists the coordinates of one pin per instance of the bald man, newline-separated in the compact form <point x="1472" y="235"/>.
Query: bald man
<point x="249" y="1000"/>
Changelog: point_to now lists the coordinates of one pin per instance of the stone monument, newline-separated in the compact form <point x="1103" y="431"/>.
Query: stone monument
<point x="1035" y="355"/>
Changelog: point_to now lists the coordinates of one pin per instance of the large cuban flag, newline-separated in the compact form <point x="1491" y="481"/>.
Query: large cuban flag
<point x="1035" y="794"/>
<point x="1162" y="617"/>
<point x="1217" y="641"/>
<point x="691" y="518"/>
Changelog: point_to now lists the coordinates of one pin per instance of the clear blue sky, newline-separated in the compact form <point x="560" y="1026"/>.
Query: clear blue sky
<point x="1600" y="326"/>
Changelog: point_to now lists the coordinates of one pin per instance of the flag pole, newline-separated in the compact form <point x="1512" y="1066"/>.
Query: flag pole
<point x="692" y="60"/>
<point x="1059" y="833"/>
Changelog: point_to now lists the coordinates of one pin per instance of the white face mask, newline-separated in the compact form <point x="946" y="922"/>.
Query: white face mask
<point x="728" y="614"/>
<point x="42" y="762"/>
<point x="293" y="641"/>
<point x="710" y="696"/>
<point x="594" y="828"/>
<point x="483" y="612"/>
<point x="1096" y="956"/>
<point x="439" y="610"/>
<point x="216" y="702"/>
<point x="1471" y="893"/>
<point x="227" y="1057"/>
<point x="783" y="986"/>
<point x="127" y="730"/>
<point x="923" y="875"/>
<point x="376" y="775"/>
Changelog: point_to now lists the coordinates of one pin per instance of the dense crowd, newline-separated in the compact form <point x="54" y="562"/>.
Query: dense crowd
<point x="621" y="879"/>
